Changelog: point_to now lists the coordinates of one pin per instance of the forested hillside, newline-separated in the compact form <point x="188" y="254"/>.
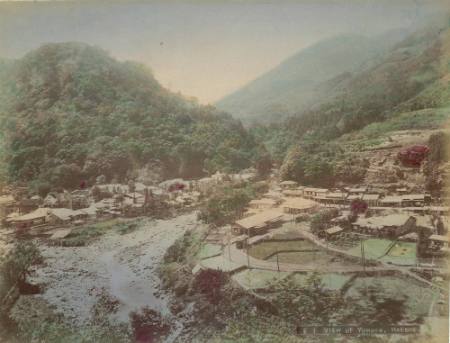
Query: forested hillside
<point x="407" y="89"/>
<point x="70" y="112"/>
<point x="301" y="80"/>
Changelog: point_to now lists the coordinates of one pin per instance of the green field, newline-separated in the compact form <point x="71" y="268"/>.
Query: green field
<point x="403" y="253"/>
<point x="374" y="248"/>
<point x="265" y="249"/>
<point x="209" y="250"/>
<point x="319" y="258"/>
<point x="221" y="263"/>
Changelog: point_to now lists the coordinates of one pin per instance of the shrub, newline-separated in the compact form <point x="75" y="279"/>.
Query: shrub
<point x="15" y="265"/>
<point x="226" y="204"/>
<point x="321" y="220"/>
<point x="148" y="325"/>
<point x="210" y="283"/>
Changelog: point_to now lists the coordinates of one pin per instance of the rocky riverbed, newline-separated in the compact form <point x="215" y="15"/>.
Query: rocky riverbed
<point x="123" y="265"/>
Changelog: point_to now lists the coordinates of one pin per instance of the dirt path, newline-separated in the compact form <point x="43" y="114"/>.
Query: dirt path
<point x="125" y="265"/>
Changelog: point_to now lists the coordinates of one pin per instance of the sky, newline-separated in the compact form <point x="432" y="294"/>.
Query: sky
<point x="202" y="49"/>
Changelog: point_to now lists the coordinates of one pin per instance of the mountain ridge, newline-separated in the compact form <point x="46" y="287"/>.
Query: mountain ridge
<point x="292" y="85"/>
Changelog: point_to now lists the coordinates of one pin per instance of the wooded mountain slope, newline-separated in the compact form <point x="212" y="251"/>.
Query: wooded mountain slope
<point x="70" y="112"/>
<point x="409" y="88"/>
<point x="296" y="83"/>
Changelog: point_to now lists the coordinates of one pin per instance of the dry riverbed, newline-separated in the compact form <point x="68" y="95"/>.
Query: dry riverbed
<point x="124" y="265"/>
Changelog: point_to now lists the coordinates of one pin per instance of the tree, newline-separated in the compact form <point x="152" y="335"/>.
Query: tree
<point x="148" y="325"/>
<point x="263" y="165"/>
<point x="321" y="220"/>
<point x="292" y="167"/>
<point x="67" y="176"/>
<point x="16" y="264"/>
<point x="210" y="283"/>
<point x="78" y="122"/>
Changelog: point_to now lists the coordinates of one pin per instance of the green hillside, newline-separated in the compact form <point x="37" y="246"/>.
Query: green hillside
<point x="407" y="89"/>
<point x="299" y="81"/>
<point x="70" y="112"/>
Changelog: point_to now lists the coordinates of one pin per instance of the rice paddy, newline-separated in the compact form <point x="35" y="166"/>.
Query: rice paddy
<point x="402" y="253"/>
<point x="265" y="250"/>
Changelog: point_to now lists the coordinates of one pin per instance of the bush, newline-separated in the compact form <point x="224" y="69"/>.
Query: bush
<point x="227" y="204"/>
<point x="321" y="220"/>
<point x="82" y="237"/>
<point x="148" y="325"/>
<point x="210" y="283"/>
<point x="124" y="228"/>
<point x="50" y="327"/>
<point x="15" y="265"/>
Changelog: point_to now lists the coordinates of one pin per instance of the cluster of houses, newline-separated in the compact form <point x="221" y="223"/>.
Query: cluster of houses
<point x="290" y="201"/>
<point x="107" y="200"/>
<point x="79" y="206"/>
<point x="374" y="197"/>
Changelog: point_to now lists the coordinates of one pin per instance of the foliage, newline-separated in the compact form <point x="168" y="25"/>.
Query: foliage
<point x="54" y="329"/>
<point x="438" y="144"/>
<point x="321" y="220"/>
<point x="350" y="169"/>
<point x="177" y="251"/>
<point x="148" y="326"/>
<point x="70" y="112"/>
<point x="364" y="105"/>
<point x="322" y="164"/>
<point x="430" y="118"/>
<point x="304" y="78"/>
<point x="124" y="228"/>
<point x="379" y="309"/>
<point x="81" y="237"/>
<point x="84" y="235"/>
<point x="263" y="165"/>
<point x="210" y="283"/>
<point x="226" y="204"/>
<point x="15" y="265"/>
<point x="311" y="304"/>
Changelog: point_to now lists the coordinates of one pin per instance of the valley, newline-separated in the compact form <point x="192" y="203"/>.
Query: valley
<point x="310" y="205"/>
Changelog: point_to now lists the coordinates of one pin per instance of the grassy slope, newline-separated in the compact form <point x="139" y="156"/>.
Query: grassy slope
<point x="409" y="90"/>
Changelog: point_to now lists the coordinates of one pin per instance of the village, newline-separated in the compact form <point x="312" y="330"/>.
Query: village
<point x="58" y="213"/>
<point x="358" y="212"/>
<point x="350" y="235"/>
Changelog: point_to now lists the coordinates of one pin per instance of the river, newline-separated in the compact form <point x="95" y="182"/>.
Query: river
<point x="124" y="265"/>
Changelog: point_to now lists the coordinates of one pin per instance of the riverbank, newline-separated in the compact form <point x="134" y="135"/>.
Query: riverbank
<point x="123" y="266"/>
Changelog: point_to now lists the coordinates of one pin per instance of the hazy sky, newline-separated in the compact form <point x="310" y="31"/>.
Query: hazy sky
<point x="204" y="50"/>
